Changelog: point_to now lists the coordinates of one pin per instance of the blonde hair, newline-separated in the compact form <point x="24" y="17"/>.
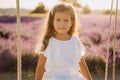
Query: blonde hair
<point x="49" y="32"/>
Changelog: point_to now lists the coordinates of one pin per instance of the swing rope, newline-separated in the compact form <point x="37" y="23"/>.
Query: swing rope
<point x="108" y="42"/>
<point x="114" y="42"/>
<point x="19" y="71"/>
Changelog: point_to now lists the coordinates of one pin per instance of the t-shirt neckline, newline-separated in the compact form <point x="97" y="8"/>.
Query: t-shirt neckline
<point x="62" y="40"/>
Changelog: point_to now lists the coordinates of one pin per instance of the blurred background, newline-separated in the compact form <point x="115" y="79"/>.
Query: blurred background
<point x="93" y="18"/>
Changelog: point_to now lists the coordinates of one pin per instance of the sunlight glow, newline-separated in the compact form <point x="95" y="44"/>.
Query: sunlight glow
<point x="31" y="4"/>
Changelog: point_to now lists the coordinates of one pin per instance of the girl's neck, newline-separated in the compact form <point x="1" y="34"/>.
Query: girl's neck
<point x="62" y="36"/>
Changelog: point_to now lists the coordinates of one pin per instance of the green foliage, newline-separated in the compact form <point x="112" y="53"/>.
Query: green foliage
<point x="40" y="9"/>
<point x="30" y="74"/>
<point x="118" y="66"/>
<point x="95" y="65"/>
<point x="29" y="61"/>
<point x="108" y="12"/>
<point x="86" y="10"/>
<point x="8" y="62"/>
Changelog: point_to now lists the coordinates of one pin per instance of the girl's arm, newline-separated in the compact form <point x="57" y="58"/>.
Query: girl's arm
<point x="84" y="69"/>
<point x="40" y="67"/>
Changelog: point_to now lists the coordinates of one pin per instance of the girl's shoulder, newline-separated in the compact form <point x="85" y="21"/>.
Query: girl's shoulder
<point x="76" y="38"/>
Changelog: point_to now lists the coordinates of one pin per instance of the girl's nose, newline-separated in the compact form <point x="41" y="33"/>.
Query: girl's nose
<point x="63" y="23"/>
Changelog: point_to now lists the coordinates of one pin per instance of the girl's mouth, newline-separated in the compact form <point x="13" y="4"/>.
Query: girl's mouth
<point x="61" y="28"/>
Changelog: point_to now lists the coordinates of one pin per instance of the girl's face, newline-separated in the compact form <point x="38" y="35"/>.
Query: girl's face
<point x="62" y="22"/>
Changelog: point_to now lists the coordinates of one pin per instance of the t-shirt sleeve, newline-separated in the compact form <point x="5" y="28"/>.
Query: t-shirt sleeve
<point x="79" y="51"/>
<point x="39" y="48"/>
<point x="82" y="48"/>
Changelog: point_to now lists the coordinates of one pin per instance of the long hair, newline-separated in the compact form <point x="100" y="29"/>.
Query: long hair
<point x="50" y="31"/>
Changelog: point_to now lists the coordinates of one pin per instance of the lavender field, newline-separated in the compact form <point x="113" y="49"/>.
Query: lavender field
<point x="94" y="31"/>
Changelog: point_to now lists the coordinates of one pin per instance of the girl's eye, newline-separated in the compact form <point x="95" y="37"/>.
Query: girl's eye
<point x="57" y="19"/>
<point x="66" y="20"/>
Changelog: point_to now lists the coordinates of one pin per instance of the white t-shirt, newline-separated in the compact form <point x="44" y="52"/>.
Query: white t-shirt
<point x="62" y="59"/>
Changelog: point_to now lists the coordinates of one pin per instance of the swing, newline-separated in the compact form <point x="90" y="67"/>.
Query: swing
<point x="19" y="65"/>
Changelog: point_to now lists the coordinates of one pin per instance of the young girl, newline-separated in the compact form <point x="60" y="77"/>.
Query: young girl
<point x="61" y="53"/>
